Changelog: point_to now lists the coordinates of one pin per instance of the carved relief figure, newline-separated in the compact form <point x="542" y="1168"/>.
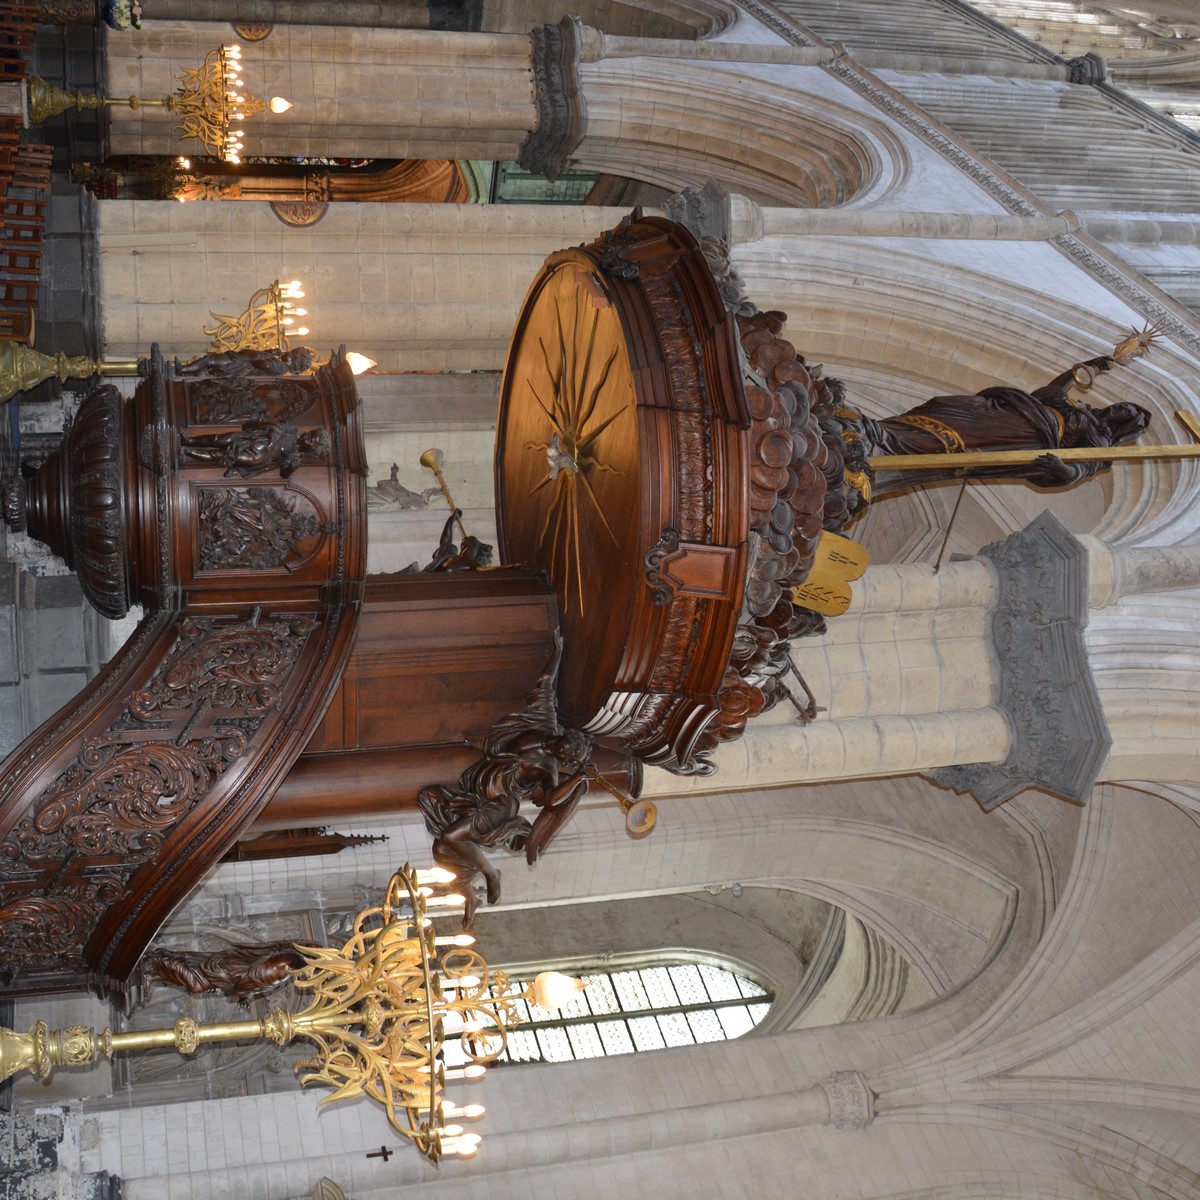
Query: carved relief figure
<point x="527" y="756"/>
<point x="240" y="364"/>
<point x="390" y="495"/>
<point x="241" y="972"/>
<point x="251" y="527"/>
<point x="257" y="447"/>
<point x="217" y="402"/>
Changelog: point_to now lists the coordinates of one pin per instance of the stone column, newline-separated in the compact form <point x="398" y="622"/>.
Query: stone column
<point x="370" y="14"/>
<point x="415" y="286"/>
<point x="370" y="93"/>
<point x="1144" y="650"/>
<point x="906" y="680"/>
<point x="978" y="677"/>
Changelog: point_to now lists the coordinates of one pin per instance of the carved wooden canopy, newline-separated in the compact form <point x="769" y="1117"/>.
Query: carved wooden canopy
<point x="622" y="471"/>
<point x="230" y="503"/>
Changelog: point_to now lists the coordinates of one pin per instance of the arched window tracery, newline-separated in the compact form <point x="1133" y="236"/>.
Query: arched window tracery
<point x="677" y="999"/>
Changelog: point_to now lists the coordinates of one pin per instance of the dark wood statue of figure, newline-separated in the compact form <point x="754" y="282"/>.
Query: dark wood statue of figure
<point x="257" y="447"/>
<point x="998" y="418"/>
<point x="242" y="971"/>
<point x="528" y="756"/>
<point x="240" y="364"/>
<point x="449" y="556"/>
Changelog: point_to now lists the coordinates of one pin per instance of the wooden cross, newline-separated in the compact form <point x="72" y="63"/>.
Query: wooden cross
<point x="383" y="1152"/>
<point x="1006" y="458"/>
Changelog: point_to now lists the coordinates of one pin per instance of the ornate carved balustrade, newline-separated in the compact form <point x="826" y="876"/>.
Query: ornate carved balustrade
<point x="231" y="504"/>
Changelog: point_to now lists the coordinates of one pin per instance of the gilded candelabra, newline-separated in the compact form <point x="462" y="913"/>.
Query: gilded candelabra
<point x="209" y="102"/>
<point x="265" y="324"/>
<point x="382" y="1008"/>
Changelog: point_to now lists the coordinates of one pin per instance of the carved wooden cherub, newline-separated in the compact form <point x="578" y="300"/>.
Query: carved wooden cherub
<point x="240" y="364"/>
<point x="449" y="556"/>
<point x="257" y="447"/>
<point x="528" y="756"/>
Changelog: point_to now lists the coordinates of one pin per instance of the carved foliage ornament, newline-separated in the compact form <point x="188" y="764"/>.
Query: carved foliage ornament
<point x="120" y="799"/>
<point x="562" y="113"/>
<point x="234" y="666"/>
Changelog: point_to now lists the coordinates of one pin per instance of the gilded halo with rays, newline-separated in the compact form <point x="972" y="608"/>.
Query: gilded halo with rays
<point x="578" y="367"/>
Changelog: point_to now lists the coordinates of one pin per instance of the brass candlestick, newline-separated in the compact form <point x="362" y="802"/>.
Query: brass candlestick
<point x="208" y="101"/>
<point x="22" y="368"/>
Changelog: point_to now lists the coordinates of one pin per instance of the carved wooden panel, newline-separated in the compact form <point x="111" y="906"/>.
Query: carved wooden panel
<point x="245" y="540"/>
<point x="437" y="661"/>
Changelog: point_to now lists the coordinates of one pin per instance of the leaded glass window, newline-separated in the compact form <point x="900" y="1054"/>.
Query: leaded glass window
<point x="639" y="1008"/>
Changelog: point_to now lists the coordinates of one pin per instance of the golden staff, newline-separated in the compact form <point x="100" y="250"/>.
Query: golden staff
<point x="1002" y="458"/>
<point x="435" y="460"/>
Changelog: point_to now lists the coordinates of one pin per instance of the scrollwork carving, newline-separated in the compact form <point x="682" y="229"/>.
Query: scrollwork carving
<point x="38" y="932"/>
<point x="111" y="809"/>
<point x="120" y="799"/>
<point x="666" y="545"/>
<point x="238" y="666"/>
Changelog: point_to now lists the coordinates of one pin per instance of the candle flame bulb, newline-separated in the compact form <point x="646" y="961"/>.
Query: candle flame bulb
<point x="358" y="364"/>
<point x="553" y="989"/>
<point x="471" y="1111"/>
<point x="474" y="1071"/>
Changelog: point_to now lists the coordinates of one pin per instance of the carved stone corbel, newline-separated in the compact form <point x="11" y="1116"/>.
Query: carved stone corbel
<point x="851" y="1101"/>
<point x="562" y="113"/>
<point x="1060" y="736"/>
<point x="1087" y="68"/>
<point x="706" y="211"/>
